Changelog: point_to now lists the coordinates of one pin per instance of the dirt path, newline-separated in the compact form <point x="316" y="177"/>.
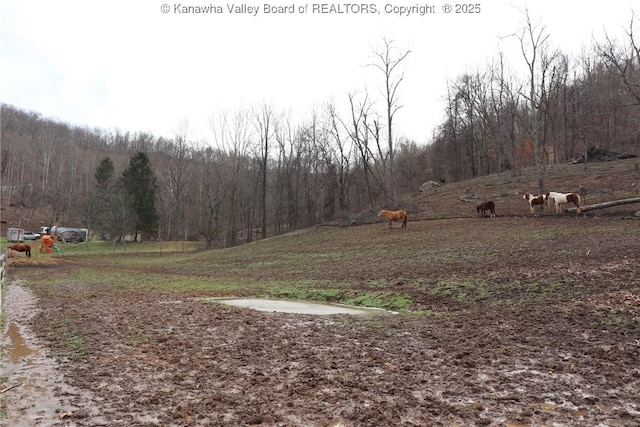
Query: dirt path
<point x="36" y="393"/>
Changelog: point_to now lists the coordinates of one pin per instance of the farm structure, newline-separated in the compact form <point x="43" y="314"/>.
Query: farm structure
<point x="15" y="235"/>
<point x="66" y="234"/>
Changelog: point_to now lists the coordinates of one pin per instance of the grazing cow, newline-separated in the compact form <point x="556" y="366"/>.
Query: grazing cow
<point x="486" y="206"/>
<point x="562" y="199"/>
<point x="534" y="200"/>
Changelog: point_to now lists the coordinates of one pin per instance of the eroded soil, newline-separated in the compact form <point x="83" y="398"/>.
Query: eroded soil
<point x="529" y="332"/>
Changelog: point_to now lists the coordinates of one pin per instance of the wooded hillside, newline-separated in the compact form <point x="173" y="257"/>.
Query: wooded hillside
<point x="260" y="174"/>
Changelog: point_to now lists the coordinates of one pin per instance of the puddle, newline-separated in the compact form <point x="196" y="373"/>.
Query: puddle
<point x="297" y="307"/>
<point x="35" y="392"/>
<point x="17" y="349"/>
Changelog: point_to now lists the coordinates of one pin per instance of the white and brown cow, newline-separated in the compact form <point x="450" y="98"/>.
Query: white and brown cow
<point x="537" y="200"/>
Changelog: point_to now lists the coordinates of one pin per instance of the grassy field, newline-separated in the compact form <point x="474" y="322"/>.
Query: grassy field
<point x="102" y="247"/>
<point x="367" y="265"/>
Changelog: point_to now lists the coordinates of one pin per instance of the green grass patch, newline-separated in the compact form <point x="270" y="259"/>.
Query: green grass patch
<point x="472" y="291"/>
<point x="129" y="280"/>
<point x="69" y="342"/>
<point x="105" y="247"/>
<point x="138" y="337"/>
<point x="543" y="288"/>
<point x="618" y="320"/>
<point x="462" y="291"/>
<point x="320" y="295"/>
<point x="377" y="284"/>
<point x="386" y="300"/>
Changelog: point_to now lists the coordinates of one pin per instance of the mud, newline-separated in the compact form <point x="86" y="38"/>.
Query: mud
<point x="37" y="392"/>
<point x="512" y="344"/>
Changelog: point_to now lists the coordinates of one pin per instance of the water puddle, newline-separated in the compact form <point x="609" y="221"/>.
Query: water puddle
<point x="17" y="353"/>
<point x="35" y="392"/>
<point x="17" y="349"/>
<point x="297" y="307"/>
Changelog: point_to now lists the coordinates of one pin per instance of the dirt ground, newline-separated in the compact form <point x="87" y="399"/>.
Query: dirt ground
<point x="561" y="349"/>
<point x="547" y="335"/>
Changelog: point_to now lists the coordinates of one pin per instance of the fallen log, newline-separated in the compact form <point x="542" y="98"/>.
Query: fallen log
<point x="605" y="205"/>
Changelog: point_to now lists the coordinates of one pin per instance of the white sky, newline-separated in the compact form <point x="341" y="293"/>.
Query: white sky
<point x="126" y="65"/>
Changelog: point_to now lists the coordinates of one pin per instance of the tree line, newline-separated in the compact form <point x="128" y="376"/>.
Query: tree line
<point x="259" y="173"/>
<point x="559" y="110"/>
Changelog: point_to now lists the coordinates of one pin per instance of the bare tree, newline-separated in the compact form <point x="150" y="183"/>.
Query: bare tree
<point x="312" y="169"/>
<point x="177" y="155"/>
<point x="388" y="61"/>
<point x="47" y="137"/>
<point x="360" y="131"/>
<point x="233" y="136"/>
<point x="505" y="103"/>
<point x="285" y="195"/>
<point x="265" y="126"/>
<point x="626" y="60"/>
<point x="533" y="45"/>
<point x="340" y="160"/>
<point x="210" y="195"/>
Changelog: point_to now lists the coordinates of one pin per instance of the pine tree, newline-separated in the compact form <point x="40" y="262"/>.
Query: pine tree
<point x="97" y="204"/>
<point x="139" y="186"/>
<point x="103" y="174"/>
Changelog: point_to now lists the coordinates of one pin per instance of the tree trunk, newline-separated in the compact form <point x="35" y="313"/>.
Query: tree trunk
<point x="605" y="205"/>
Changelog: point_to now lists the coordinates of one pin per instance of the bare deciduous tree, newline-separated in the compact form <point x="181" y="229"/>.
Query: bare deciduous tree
<point x="360" y="131"/>
<point x="265" y="127"/>
<point x="625" y="59"/>
<point x="388" y="62"/>
<point x="533" y="45"/>
<point x="340" y="159"/>
<point x="177" y="155"/>
<point x="232" y="134"/>
<point x="210" y="195"/>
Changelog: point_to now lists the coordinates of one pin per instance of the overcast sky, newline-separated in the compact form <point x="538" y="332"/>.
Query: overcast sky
<point x="149" y="66"/>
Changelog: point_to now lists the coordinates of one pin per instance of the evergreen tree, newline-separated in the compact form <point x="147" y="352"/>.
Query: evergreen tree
<point x="97" y="204"/>
<point x="138" y="183"/>
<point x="112" y="218"/>
<point x="103" y="174"/>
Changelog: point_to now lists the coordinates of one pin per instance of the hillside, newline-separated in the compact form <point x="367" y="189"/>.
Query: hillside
<point x="597" y="182"/>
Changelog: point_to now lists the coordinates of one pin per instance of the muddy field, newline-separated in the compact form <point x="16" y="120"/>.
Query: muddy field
<point x="518" y="320"/>
<point x="513" y="321"/>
